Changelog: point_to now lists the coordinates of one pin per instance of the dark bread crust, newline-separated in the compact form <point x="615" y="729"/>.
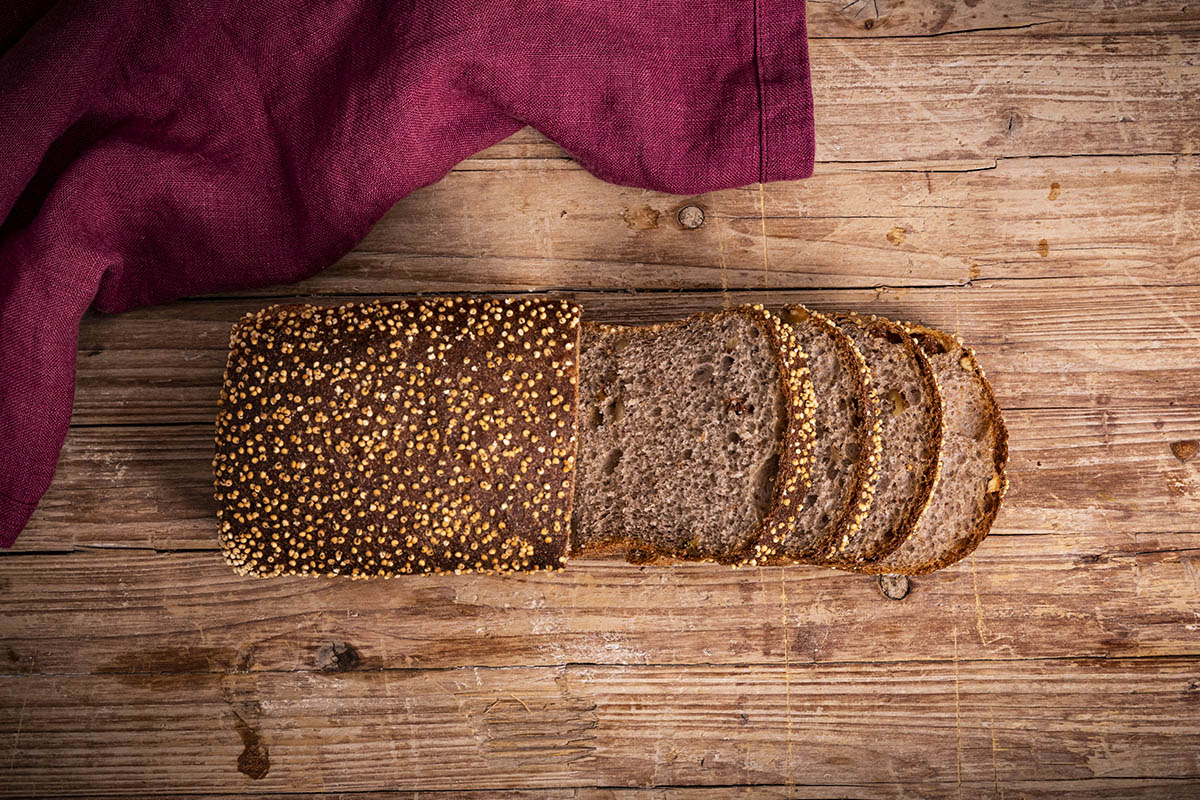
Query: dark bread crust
<point x="431" y="435"/>
<point x="794" y="447"/>
<point x="859" y="490"/>
<point x="934" y="341"/>
<point x="851" y="553"/>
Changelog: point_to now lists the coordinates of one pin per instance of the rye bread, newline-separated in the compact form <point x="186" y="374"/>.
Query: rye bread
<point x="972" y="481"/>
<point x="909" y="408"/>
<point x="435" y="435"/>
<point x="847" y="442"/>
<point x="694" y="436"/>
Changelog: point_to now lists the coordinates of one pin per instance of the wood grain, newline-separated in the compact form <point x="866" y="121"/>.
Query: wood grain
<point x="1089" y="788"/>
<point x="566" y="726"/>
<point x="1023" y="174"/>
<point x="1076" y="594"/>
<point x="526" y="228"/>
<point x="889" y="18"/>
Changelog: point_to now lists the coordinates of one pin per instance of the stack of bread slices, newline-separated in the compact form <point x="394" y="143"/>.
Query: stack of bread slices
<point x="752" y="437"/>
<point x="474" y="434"/>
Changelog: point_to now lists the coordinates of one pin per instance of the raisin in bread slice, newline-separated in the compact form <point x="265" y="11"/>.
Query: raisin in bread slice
<point x="847" y="443"/>
<point x="434" y="435"/>
<point x="909" y="407"/>
<point x="694" y="436"/>
<point x="972" y="481"/>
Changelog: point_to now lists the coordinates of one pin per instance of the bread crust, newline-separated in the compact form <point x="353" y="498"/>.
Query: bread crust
<point x="429" y="435"/>
<point x="860" y="489"/>
<point x="795" y="446"/>
<point x="928" y="468"/>
<point x="929" y="339"/>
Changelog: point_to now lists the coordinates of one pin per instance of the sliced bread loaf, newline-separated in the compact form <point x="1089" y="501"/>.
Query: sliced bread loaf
<point x="693" y="435"/>
<point x="847" y="443"/>
<point x="910" y="415"/>
<point x="974" y="455"/>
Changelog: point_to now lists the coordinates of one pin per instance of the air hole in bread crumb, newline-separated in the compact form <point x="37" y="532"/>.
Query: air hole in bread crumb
<point x="610" y="463"/>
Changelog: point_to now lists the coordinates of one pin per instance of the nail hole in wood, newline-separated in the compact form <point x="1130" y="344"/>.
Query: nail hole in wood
<point x="691" y="217"/>
<point x="894" y="587"/>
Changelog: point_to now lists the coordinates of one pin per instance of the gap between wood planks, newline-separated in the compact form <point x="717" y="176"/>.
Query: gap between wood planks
<point x="696" y="791"/>
<point x="275" y="293"/>
<point x="787" y="667"/>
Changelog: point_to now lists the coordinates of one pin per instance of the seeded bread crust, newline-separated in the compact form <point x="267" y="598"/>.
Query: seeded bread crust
<point x="912" y="557"/>
<point x="794" y="447"/>
<point x="433" y="435"/>
<point x="868" y="542"/>
<point x="852" y="497"/>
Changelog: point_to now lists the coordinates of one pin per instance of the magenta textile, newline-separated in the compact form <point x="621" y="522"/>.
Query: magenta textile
<point x="151" y="149"/>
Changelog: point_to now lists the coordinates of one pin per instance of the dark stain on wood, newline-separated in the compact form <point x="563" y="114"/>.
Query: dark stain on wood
<point x="338" y="657"/>
<point x="255" y="759"/>
<point x="641" y="219"/>
<point x="1043" y="248"/>
<point x="1185" y="449"/>
<point x="897" y="235"/>
<point x="1054" y="191"/>
<point x="171" y="659"/>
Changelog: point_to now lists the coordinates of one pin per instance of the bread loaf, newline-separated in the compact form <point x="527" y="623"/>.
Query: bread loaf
<point x="432" y="435"/>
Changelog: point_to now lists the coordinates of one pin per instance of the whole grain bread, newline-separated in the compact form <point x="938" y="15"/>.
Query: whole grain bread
<point x="972" y="481"/>
<point x="435" y="435"/>
<point x="694" y="436"/>
<point x="909" y="408"/>
<point x="847" y="442"/>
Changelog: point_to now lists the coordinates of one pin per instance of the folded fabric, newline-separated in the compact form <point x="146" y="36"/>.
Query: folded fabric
<point x="153" y="150"/>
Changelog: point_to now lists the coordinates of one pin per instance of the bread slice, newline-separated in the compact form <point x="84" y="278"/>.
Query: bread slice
<point x="435" y="435"/>
<point x="972" y="481"/>
<point x="694" y="435"/>
<point x="910" y="414"/>
<point x="847" y="442"/>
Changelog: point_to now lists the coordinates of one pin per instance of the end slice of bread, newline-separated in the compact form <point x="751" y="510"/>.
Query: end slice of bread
<point x="910" y="414"/>
<point x="693" y="436"/>
<point x="972" y="481"/>
<point x="847" y="443"/>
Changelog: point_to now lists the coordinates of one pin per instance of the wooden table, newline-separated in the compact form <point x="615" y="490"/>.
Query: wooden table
<point x="1021" y="173"/>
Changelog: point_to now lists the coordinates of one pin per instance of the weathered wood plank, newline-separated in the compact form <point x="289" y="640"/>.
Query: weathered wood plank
<point x="1069" y="344"/>
<point x="945" y="722"/>
<point x="1089" y="788"/>
<point x="1076" y="594"/>
<point x="850" y="225"/>
<point x="884" y="18"/>
<point x="989" y="95"/>
<point x="1108" y="468"/>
